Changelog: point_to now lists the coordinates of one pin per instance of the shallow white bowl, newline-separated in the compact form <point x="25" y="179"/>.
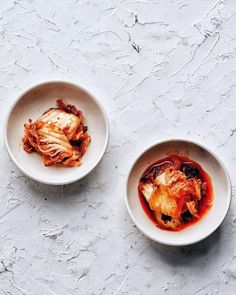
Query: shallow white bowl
<point x="221" y="187"/>
<point x="32" y="104"/>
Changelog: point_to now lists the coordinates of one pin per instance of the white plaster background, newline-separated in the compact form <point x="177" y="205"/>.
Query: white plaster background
<point x="161" y="68"/>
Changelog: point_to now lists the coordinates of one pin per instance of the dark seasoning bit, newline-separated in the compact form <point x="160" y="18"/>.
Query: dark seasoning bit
<point x="75" y="142"/>
<point x="186" y="216"/>
<point x="190" y="170"/>
<point x="165" y="217"/>
<point x="204" y="189"/>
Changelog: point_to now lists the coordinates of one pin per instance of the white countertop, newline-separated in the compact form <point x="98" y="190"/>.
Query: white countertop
<point x="161" y="69"/>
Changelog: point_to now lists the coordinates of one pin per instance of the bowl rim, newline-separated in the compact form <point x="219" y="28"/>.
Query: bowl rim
<point x="107" y="135"/>
<point x="154" y="238"/>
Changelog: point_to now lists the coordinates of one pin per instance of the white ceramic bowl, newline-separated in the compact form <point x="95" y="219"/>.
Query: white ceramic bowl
<point x="221" y="187"/>
<point x="32" y="104"/>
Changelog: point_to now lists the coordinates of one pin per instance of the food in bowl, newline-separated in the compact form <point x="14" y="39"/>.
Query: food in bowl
<point x="175" y="192"/>
<point x="59" y="136"/>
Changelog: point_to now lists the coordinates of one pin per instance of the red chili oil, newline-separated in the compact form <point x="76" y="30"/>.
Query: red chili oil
<point x="178" y="161"/>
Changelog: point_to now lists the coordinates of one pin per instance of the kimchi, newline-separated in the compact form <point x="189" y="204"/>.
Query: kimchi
<point x="175" y="192"/>
<point x="59" y="136"/>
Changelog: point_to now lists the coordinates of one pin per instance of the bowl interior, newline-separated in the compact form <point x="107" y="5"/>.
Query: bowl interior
<point x="33" y="104"/>
<point x="221" y="189"/>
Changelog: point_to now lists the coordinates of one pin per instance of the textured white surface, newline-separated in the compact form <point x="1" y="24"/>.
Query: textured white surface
<point x="161" y="68"/>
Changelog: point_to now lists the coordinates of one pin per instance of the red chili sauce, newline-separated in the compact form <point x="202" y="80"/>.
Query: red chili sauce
<point x="181" y="161"/>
